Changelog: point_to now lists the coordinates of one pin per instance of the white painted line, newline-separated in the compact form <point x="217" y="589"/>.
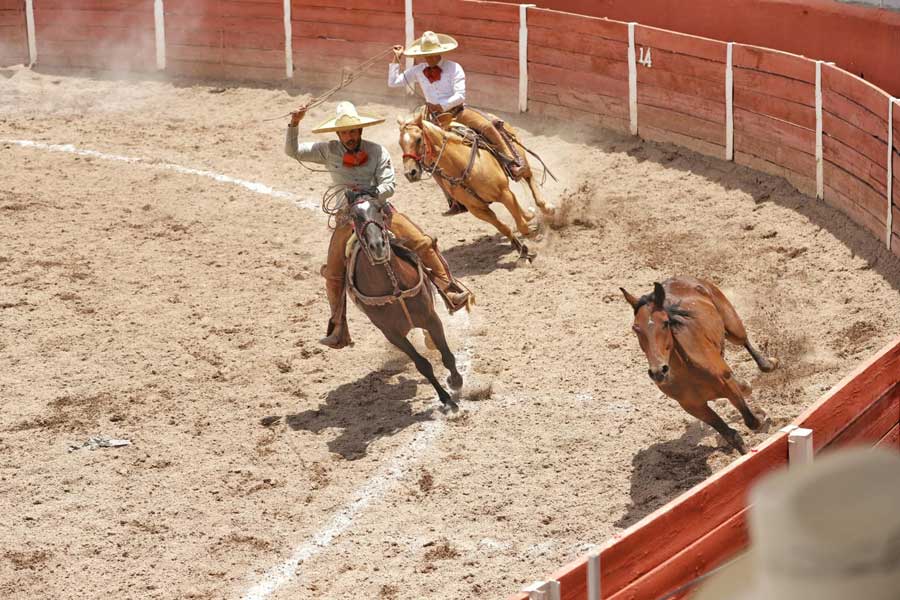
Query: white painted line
<point x="523" y="56"/>
<point x="29" y="26"/>
<point x="729" y="103"/>
<point x="632" y="80"/>
<point x="374" y="489"/>
<point x="410" y="35"/>
<point x="890" y="170"/>
<point x="820" y="165"/>
<point x="253" y="186"/>
<point x="159" y="18"/>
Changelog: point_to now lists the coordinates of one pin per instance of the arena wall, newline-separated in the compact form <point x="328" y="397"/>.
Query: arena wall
<point x="832" y="134"/>
<point x="13" y="39"/>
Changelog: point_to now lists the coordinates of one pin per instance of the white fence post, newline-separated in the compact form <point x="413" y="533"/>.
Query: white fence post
<point x="632" y="80"/>
<point x="543" y="590"/>
<point x="729" y="103"/>
<point x="890" y="170"/>
<point x="800" y="447"/>
<point x="159" y="22"/>
<point x="523" y="56"/>
<point x="593" y="576"/>
<point x="288" y="41"/>
<point x="410" y="34"/>
<point x="820" y="165"/>
<point x="29" y="26"/>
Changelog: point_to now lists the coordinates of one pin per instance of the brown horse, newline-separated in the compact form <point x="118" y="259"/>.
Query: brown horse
<point x="682" y="327"/>
<point x="388" y="284"/>
<point x="470" y="176"/>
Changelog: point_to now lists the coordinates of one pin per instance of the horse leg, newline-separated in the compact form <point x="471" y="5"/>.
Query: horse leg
<point x="734" y="389"/>
<point x="519" y="215"/>
<point x="435" y="329"/>
<point x="547" y="209"/>
<point x="735" y="332"/>
<point x="485" y="213"/>
<point x="422" y="365"/>
<point x="702" y="411"/>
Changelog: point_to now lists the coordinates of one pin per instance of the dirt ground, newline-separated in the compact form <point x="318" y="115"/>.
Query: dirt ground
<point x="180" y="313"/>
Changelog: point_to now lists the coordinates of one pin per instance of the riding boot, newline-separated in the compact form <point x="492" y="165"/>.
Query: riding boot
<point x="337" y="335"/>
<point x="505" y="153"/>
<point x="456" y="295"/>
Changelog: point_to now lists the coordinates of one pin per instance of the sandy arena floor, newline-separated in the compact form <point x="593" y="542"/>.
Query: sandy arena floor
<point x="178" y="312"/>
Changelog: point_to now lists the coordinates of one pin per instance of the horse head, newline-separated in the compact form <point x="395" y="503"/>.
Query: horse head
<point x="370" y="228"/>
<point x="654" y="323"/>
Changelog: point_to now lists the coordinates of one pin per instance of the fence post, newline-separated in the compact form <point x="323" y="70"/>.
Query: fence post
<point x="409" y="23"/>
<point x="593" y="576"/>
<point x="523" y="56"/>
<point x="159" y="24"/>
<point x="288" y="41"/>
<point x="729" y="102"/>
<point x="543" y="590"/>
<point x="800" y="447"/>
<point x="29" y="27"/>
<point x="890" y="171"/>
<point x="820" y="165"/>
<point x="632" y="80"/>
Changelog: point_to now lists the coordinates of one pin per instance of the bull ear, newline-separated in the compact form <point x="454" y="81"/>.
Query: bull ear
<point x="631" y="299"/>
<point x="659" y="294"/>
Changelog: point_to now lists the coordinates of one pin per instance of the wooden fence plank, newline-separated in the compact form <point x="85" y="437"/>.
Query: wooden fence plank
<point x="676" y="122"/>
<point x="873" y="423"/>
<point x="785" y="110"/>
<point x="572" y="23"/>
<point x="858" y="90"/>
<point x="891" y="439"/>
<point x="774" y="130"/>
<point x="776" y="85"/>
<point x="680" y="43"/>
<point x="775" y="62"/>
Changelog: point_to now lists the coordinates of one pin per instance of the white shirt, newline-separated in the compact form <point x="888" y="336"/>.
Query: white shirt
<point x="448" y="91"/>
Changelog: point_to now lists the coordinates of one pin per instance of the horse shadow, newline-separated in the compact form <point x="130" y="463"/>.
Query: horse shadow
<point x="480" y="256"/>
<point x="665" y="470"/>
<point x="365" y="410"/>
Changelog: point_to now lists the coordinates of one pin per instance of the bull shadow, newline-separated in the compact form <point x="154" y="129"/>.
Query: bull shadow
<point x="365" y="410"/>
<point x="665" y="470"/>
<point x="481" y="256"/>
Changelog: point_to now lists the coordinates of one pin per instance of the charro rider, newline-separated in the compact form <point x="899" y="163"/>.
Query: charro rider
<point x="443" y="83"/>
<point x="363" y="166"/>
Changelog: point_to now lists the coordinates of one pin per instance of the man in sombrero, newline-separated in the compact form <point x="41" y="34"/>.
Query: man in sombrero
<point x="443" y="83"/>
<point x="365" y="168"/>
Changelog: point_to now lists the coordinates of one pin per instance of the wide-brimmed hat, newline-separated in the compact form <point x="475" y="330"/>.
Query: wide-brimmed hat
<point x="431" y="43"/>
<point x="346" y="118"/>
<point x="829" y="530"/>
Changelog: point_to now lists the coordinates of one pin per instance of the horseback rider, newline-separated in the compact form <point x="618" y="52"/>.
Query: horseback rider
<point x="443" y="83"/>
<point x="365" y="168"/>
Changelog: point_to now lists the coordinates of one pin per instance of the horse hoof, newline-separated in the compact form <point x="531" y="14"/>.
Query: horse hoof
<point x="455" y="381"/>
<point x="770" y="365"/>
<point x="449" y="405"/>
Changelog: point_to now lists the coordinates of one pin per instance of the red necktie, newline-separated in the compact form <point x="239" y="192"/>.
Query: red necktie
<point x="355" y="159"/>
<point x="432" y="74"/>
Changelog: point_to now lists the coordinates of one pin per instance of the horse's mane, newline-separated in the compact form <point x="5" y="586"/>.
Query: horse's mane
<point x="677" y="315"/>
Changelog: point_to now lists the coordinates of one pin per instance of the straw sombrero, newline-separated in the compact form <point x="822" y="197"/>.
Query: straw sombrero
<point x="346" y="118"/>
<point x="829" y="530"/>
<point x="431" y="43"/>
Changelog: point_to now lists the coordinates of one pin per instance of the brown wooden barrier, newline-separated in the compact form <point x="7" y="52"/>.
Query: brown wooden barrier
<point x="225" y="39"/>
<point x="331" y="35"/>
<point x="577" y="68"/>
<point x="96" y="34"/>
<point x="854" y="145"/>
<point x="681" y="89"/>
<point x="774" y="114"/>
<point x="488" y="46"/>
<point x="895" y="192"/>
<point x="13" y="38"/>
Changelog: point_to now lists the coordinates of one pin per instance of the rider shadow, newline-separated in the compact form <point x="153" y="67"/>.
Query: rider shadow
<point x="367" y="409"/>
<point x="665" y="470"/>
<point x="481" y="256"/>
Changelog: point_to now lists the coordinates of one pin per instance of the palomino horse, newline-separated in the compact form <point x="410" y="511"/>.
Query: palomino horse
<point x="391" y="288"/>
<point x="472" y="177"/>
<point x="682" y="327"/>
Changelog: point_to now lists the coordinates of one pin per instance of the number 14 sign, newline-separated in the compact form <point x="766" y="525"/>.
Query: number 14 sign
<point x="644" y="58"/>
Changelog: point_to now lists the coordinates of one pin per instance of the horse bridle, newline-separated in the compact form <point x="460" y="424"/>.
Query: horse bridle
<point x="361" y="229"/>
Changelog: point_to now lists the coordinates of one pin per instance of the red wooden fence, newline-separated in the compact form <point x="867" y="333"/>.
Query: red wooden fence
<point x="13" y="38"/>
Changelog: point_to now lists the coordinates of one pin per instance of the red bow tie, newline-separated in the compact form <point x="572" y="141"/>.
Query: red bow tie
<point x="355" y="159"/>
<point x="432" y="74"/>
